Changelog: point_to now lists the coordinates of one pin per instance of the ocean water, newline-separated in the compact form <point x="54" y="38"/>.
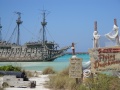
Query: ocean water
<point x="58" y="64"/>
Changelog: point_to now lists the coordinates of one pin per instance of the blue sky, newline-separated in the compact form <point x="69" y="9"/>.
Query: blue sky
<point x="68" y="21"/>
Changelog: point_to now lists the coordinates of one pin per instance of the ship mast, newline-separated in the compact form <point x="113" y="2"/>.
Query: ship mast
<point x="0" y="30"/>
<point x="18" y="21"/>
<point x="43" y="23"/>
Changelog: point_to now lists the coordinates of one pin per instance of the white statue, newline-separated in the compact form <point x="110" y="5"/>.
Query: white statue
<point x="96" y="39"/>
<point x="114" y="34"/>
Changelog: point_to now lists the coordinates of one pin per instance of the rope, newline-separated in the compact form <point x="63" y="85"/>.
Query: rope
<point x="50" y="34"/>
<point x="12" y="34"/>
<point x="28" y="30"/>
<point x="86" y="73"/>
<point x="9" y="27"/>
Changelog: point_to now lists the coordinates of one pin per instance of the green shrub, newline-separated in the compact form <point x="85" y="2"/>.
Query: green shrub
<point x="103" y="82"/>
<point x="114" y="83"/>
<point x="48" y="70"/>
<point x="10" y="68"/>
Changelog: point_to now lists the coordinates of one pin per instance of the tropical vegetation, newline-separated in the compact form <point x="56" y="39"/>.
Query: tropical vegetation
<point x="62" y="81"/>
<point x="10" y="68"/>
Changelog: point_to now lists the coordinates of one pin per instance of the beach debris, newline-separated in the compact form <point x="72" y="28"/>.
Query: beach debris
<point x="86" y="73"/>
<point x="12" y="81"/>
<point x="16" y="79"/>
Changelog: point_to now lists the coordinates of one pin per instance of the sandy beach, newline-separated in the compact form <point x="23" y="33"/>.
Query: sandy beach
<point x="40" y="83"/>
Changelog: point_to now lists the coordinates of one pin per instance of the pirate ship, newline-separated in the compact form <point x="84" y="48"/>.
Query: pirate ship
<point x="43" y="50"/>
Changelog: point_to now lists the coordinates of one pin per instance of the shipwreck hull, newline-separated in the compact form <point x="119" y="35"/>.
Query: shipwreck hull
<point x="26" y="60"/>
<point x="25" y="54"/>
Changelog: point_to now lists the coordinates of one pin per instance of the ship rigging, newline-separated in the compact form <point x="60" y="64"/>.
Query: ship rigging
<point x="32" y="51"/>
<point x="0" y="31"/>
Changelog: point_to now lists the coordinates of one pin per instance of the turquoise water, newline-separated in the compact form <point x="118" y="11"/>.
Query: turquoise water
<point x="58" y="64"/>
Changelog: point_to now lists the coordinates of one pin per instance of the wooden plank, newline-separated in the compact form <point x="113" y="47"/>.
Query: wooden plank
<point x="75" y="69"/>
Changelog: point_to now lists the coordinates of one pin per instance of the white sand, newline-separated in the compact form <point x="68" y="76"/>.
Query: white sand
<point x="40" y="81"/>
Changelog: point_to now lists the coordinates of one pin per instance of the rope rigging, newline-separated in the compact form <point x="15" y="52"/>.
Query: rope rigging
<point x="9" y="27"/>
<point x="10" y="39"/>
<point x="50" y="34"/>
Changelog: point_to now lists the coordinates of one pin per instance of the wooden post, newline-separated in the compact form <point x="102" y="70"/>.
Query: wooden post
<point x="73" y="52"/>
<point x="95" y="29"/>
<point x="73" y="49"/>
<point x="95" y="26"/>
<point x="115" y="22"/>
<point x="117" y="38"/>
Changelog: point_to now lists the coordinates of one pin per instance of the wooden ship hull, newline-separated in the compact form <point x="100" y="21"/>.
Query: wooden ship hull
<point x="29" y="53"/>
